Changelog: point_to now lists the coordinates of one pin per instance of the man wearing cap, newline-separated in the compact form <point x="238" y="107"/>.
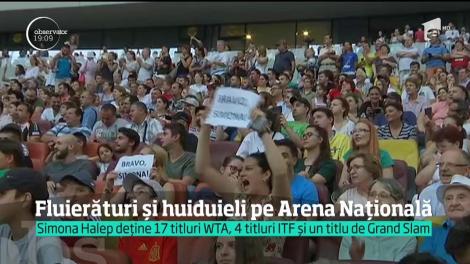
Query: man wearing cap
<point x="456" y="199"/>
<point x="295" y="129"/>
<point x="143" y="250"/>
<point x="147" y="127"/>
<point x="66" y="161"/>
<point x="20" y="188"/>
<point x="434" y="56"/>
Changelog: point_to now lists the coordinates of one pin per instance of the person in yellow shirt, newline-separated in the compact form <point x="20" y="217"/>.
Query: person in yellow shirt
<point x="339" y="143"/>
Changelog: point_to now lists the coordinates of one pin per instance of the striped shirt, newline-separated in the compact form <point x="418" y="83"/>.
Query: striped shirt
<point x="407" y="132"/>
<point x="62" y="129"/>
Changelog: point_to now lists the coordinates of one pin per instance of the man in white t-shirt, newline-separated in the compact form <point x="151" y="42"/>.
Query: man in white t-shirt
<point x="406" y="55"/>
<point x="219" y="61"/>
<point x="52" y="112"/>
<point x="452" y="33"/>
<point x="146" y="66"/>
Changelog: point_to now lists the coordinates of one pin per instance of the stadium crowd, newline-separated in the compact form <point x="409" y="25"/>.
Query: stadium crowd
<point x="359" y="125"/>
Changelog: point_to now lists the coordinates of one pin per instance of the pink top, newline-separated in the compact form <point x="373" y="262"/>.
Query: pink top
<point x="439" y="112"/>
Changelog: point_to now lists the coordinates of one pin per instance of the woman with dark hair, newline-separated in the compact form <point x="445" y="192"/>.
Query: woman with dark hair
<point x="319" y="167"/>
<point x="373" y="106"/>
<point x="384" y="59"/>
<point x="232" y="166"/>
<point x="199" y="62"/>
<point x="164" y="63"/>
<point x="263" y="84"/>
<point x="130" y="65"/>
<point x="186" y="58"/>
<point x="239" y="250"/>
<point x="460" y="57"/>
<point x="354" y="102"/>
<point x="263" y="179"/>
<point x="396" y="128"/>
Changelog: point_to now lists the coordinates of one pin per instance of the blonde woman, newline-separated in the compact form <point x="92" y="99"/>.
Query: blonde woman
<point x="261" y="60"/>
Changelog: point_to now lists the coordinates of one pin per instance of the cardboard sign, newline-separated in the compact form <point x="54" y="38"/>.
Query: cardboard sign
<point x="141" y="165"/>
<point x="232" y="107"/>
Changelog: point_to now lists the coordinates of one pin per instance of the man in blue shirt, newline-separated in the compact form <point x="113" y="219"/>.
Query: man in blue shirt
<point x="456" y="199"/>
<point x="284" y="60"/>
<point x="303" y="190"/>
<point x="90" y="114"/>
<point x="435" y="55"/>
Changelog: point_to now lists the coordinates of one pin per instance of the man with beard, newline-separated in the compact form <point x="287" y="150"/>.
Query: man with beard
<point x="126" y="144"/>
<point x="66" y="162"/>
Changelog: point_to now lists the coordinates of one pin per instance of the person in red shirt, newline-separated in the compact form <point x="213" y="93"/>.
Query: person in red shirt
<point x="419" y="35"/>
<point x="146" y="250"/>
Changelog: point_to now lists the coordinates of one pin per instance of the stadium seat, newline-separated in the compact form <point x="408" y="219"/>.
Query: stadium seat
<point x="44" y="126"/>
<point x="296" y="249"/>
<point x="38" y="150"/>
<point x="400" y="172"/>
<point x="220" y="150"/>
<point x="406" y="150"/>
<point x="91" y="149"/>
<point x="93" y="256"/>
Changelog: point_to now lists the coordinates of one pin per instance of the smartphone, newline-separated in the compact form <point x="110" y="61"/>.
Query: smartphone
<point x="278" y="109"/>
<point x="428" y="112"/>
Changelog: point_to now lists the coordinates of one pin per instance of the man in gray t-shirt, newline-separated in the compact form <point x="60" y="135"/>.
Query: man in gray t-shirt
<point x="106" y="130"/>
<point x="20" y="188"/>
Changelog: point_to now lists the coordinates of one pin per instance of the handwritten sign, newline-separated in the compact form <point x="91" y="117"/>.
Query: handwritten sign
<point x="232" y="107"/>
<point x="141" y="165"/>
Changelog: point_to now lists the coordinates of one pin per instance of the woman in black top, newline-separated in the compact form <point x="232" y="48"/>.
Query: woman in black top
<point x="185" y="61"/>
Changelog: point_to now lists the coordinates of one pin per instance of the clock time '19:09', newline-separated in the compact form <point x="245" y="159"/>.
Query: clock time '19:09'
<point x="43" y="38"/>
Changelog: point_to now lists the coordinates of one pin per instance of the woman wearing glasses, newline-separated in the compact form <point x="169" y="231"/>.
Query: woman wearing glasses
<point x="319" y="167"/>
<point x="365" y="140"/>
<point x="362" y="170"/>
<point x="384" y="191"/>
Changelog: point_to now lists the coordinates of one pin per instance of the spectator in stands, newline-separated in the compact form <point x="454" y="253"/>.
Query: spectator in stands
<point x="108" y="93"/>
<point x="381" y="191"/>
<point x="231" y="167"/>
<point x="105" y="157"/>
<point x="339" y="143"/>
<point x="415" y="102"/>
<point x="219" y="62"/>
<point x="373" y="106"/>
<point x="19" y="190"/>
<point x="362" y="81"/>
<point x="164" y="63"/>
<point x="177" y="102"/>
<point x="89" y="68"/>
<point x="295" y="130"/>
<point x="145" y="66"/>
<point x="434" y="56"/>
<point x="143" y="93"/>
<point x="65" y="92"/>
<point x="72" y="124"/>
<point x="31" y="97"/>
<point x="126" y="144"/>
<point x="456" y="199"/>
<point x="419" y="35"/>
<point x="180" y="164"/>
<point x="458" y="244"/>
<point x="191" y="139"/>
<point x="264" y="177"/>
<point x="284" y="60"/>
<point x="464" y="78"/>
<point x="348" y="60"/>
<point x="406" y="55"/>
<point x="396" y="128"/>
<point x="199" y="62"/>
<point x="456" y="121"/>
<point x="5" y="117"/>
<point x="354" y="102"/>
<point x="362" y="169"/>
<point x="252" y="143"/>
<point x="63" y="63"/>
<point x="182" y="67"/>
<point x="319" y="167"/>
<point x="278" y="97"/>
<point x="365" y="140"/>
<point x="340" y="109"/>
<point x="147" y="127"/>
<point x="65" y="161"/>
<point x="22" y="117"/>
<point x="303" y="191"/>
<point x="15" y="96"/>
<point x="13" y="132"/>
<point x="460" y="57"/>
<point x="442" y="140"/>
<point x="198" y="89"/>
<point x="384" y="59"/>
<point x="90" y="114"/>
<point x="52" y="111"/>
<point x="12" y="154"/>
<point x="125" y="106"/>
<point x="327" y="56"/>
<point x="106" y="130"/>
<point x="80" y="144"/>
<point x="451" y="162"/>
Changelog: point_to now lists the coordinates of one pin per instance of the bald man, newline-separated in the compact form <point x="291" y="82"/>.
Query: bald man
<point x="66" y="162"/>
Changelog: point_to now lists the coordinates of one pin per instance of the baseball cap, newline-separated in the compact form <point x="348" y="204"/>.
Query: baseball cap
<point x="83" y="177"/>
<point x="191" y="100"/>
<point x="457" y="181"/>
<point x="132" y="179"/>
<point x="25" y="180"/>
<point x="301" y="100"/>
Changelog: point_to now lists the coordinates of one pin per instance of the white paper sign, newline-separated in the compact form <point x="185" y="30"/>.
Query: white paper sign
<point x="141" y="165"/>
<point x="232" y="107"/>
